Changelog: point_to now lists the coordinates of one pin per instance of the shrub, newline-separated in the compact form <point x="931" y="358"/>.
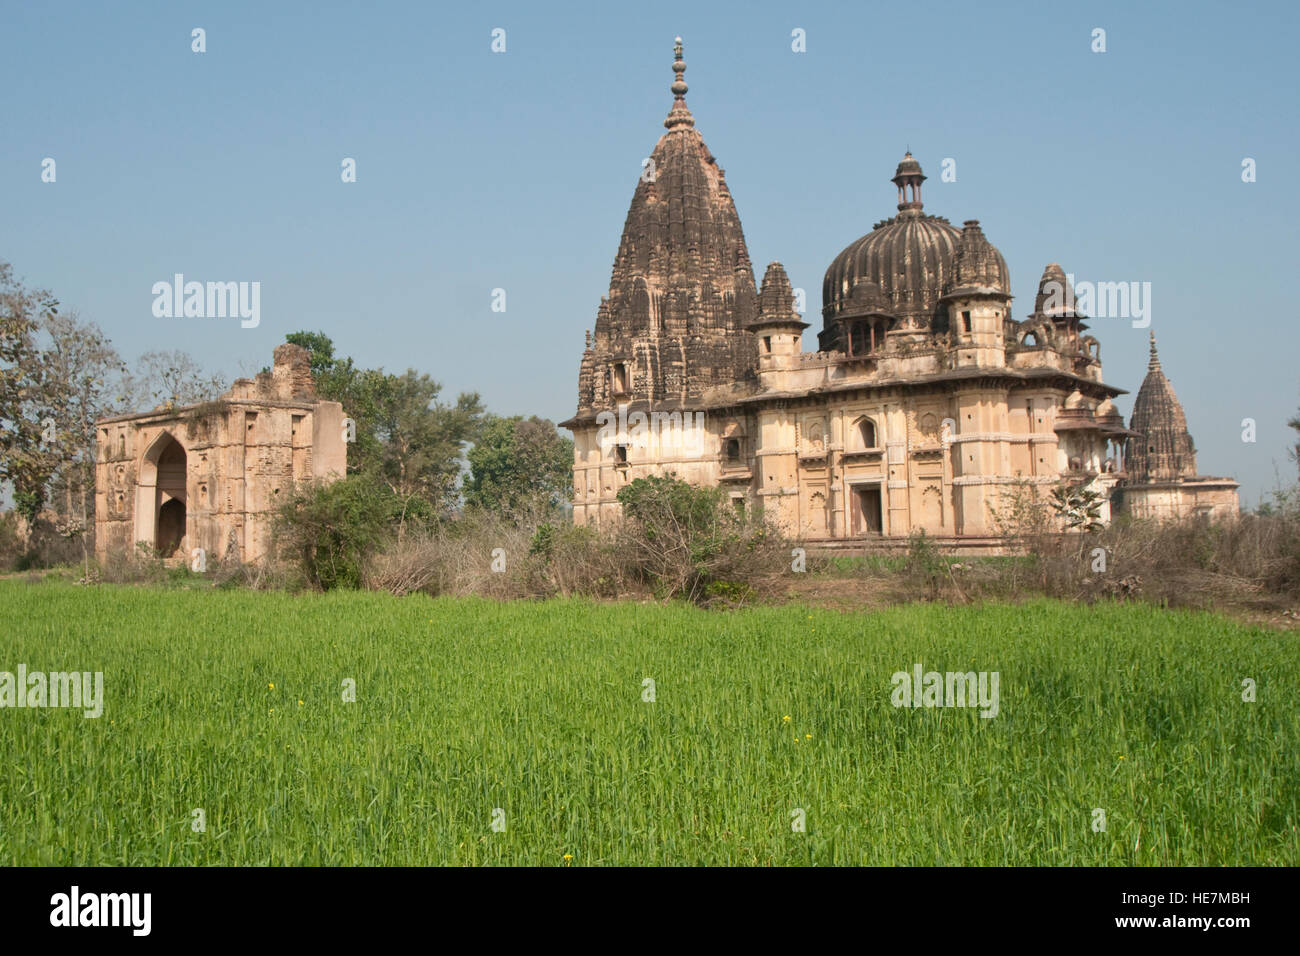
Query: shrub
<point x="686" y="541"/>
<point x="329" y="531"/>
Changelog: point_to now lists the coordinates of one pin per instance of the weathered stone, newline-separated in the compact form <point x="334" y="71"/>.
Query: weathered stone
<point x="210" y="475"/>
<point x="925" y="406"/>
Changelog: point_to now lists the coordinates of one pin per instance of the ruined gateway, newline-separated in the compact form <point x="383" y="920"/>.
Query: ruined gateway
<point x="925" y="403"/>
<point x="209" y="476"/>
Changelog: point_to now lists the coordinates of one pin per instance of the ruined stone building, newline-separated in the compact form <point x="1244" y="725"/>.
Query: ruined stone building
<point x="924" y="404"/>
<point x="210" y="475"/>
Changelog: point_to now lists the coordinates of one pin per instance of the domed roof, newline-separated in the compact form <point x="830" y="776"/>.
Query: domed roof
<point x="1161" y="449"/>
<point x="912" y="260"/>
<point x="908" y="166"/>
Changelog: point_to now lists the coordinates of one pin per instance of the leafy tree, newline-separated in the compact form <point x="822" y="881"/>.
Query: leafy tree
<point x="406" y="438"/>
<point x="518" y="464"/>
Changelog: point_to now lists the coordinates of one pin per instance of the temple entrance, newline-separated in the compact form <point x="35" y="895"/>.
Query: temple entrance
<point x="170" y="498"/>
<point x="867" y="512"/>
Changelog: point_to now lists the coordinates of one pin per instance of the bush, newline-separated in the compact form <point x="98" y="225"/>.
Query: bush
<point x="329" y="531"/>
<point x="686" y="541"/>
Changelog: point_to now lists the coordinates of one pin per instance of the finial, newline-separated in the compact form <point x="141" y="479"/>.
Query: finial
<point x="679" y="115"/>
<point x="1154" y="363"/>
<point x="679" y="68"/>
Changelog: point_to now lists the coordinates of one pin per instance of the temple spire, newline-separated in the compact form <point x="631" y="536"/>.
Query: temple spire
<point x="679" y="115"/>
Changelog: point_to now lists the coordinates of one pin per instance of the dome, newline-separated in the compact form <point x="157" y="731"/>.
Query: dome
<point x="908" y="166"/>
<point x="911" y="258"/>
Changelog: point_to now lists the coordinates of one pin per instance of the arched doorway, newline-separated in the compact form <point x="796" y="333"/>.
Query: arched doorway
<point x="171" y="526"/>
<point x="171" y="497"/>
<point x="161" y="496"/>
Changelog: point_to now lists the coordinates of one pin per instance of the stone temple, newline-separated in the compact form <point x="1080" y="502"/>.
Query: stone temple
<point x="210" y="476"/>
<point x="925" y="403"/>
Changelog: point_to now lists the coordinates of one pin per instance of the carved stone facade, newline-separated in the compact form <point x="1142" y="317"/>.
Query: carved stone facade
<point x="209" y="476"/>
<point x="925" y="405"/>
<point x="1161" y="480"/>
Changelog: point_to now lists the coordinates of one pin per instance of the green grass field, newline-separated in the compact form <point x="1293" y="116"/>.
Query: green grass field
<point x="465" y="706"/>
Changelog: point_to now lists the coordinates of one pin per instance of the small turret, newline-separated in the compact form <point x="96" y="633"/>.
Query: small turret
<point x="779" y="328"/>
<point x="976" y="301"/>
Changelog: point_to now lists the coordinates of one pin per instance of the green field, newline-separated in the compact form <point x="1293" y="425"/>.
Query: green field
<point x="465" y="706"/>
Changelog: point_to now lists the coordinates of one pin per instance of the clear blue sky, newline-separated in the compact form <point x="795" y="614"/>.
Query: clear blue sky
<point x="479" y="170"/>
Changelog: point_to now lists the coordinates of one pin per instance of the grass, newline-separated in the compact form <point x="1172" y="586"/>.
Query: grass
<point x="467" y="705"/>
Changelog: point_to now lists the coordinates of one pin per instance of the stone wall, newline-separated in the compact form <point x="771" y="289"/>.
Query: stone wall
<point x="210" y="476"/>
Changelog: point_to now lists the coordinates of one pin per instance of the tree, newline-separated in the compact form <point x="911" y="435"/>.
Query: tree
<point x="78" y="360"/>
<point x="405" y="437"/>
<point x="518" y="464"/>
<point x="168" y="378"/>
<point x="1294" y="422"/>
<point x="28" y="454"/>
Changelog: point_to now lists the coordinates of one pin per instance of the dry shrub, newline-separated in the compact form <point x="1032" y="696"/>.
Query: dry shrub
<point x="688" y="541"/>
<point x="490" y="556"/>
<point x="676" y="541"/>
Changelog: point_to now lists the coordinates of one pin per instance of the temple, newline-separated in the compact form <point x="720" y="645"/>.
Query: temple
<point x="924" y="405"/>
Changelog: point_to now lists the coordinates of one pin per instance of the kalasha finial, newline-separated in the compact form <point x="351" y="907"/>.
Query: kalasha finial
<point x="679" y="68"/>
<point x="679" y="115"/>
<point x="1155" y="359"/>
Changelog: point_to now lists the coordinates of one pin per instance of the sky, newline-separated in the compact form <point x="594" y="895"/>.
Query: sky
<point x="479" y="170"/>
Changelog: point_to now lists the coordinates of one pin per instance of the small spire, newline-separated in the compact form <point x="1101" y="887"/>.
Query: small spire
<point x="1154" y="363"/>
<point x="679" y="115"/>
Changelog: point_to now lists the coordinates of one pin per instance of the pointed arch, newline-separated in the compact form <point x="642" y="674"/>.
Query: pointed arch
<point x="162" y="494"/>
